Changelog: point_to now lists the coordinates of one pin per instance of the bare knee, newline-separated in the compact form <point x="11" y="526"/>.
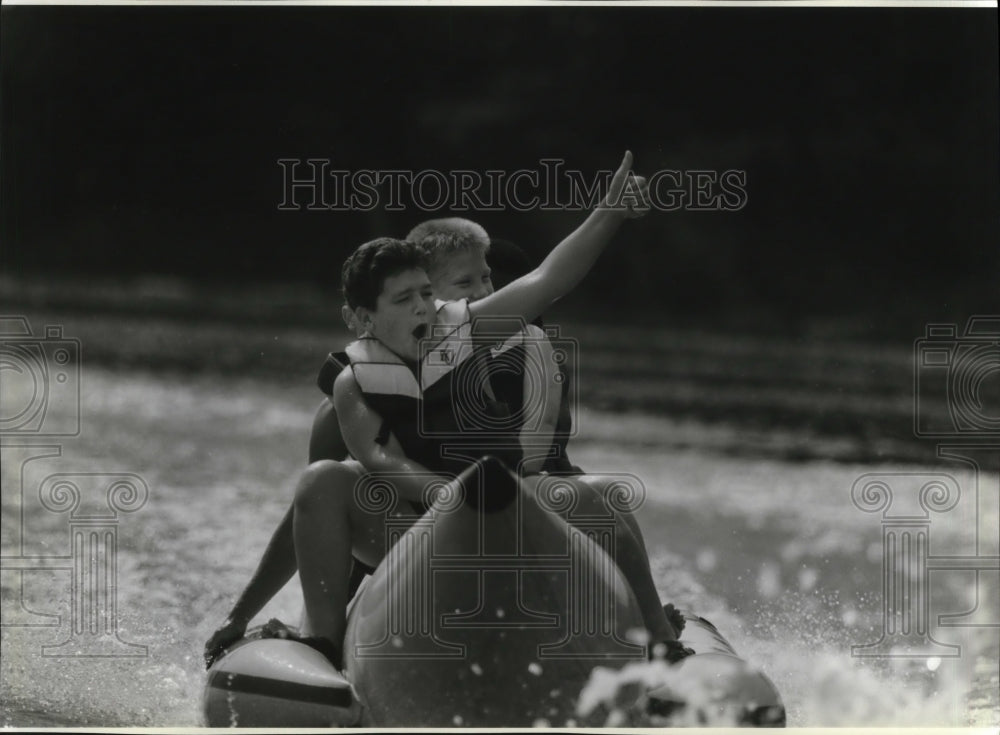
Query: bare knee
<point x="323" y="484"/>
<point x="616" y="497"/>
<point x="590" y="500"/>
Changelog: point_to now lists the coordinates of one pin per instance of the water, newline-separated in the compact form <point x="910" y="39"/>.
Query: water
<point x="773" y="551"/>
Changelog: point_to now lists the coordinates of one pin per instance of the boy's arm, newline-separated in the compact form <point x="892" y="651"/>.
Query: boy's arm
<point x="360" y="426"/>
<point x="326" y="441"/>
<point x="567" y="264"/>
<point x="537" y="443"/>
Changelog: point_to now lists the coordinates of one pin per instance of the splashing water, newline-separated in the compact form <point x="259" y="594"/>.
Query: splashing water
<point x="773" y="553"/>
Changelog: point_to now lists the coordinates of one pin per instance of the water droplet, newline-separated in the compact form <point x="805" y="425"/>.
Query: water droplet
<point x="540" y="722"/>
<point x="639" y="636"/>
<point x="807" y="578"/>
<point x="706" y="560"/>
<point x="457" y="719"/>
<point x="500" y="612"/>
<point x="933" y="662"/>
<point x="874" y="552"/>
<point x="476" y="669"/>
<point x="535" y="668"/>
<point x="397" y="642"/>
<point x="769" y="581"/>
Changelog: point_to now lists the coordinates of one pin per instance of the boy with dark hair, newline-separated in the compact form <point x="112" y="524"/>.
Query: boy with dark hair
<point x="447" y="240"/>
<point x="364" y="272"/>
<point x="392" y="370"/>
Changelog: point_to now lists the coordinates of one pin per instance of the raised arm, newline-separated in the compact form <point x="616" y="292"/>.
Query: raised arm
<point x="361" y="425"/>
<point x="567" y="264"/>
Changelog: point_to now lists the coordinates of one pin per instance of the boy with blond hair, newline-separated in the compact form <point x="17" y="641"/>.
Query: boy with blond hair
<point x="390" y="295"/>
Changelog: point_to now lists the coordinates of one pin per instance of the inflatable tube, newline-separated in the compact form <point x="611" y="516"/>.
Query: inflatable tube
<point x="715" y="686"/>
<point x="277" y="683"/>
<point x="488" y="611"/>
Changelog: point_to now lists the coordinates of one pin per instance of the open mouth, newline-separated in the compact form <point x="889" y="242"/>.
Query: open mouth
<point x="420" y="331"/>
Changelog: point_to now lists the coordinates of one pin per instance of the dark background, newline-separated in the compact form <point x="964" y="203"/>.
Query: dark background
<point x="145" y="141"/>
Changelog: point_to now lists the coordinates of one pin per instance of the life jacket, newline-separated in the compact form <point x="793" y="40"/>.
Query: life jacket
<point x="506" y="374"/>
<point x="564" y="429"/>
<point x="507" y="371"/>
<point x="334" y="363"/>
<point x="440" y="412"/>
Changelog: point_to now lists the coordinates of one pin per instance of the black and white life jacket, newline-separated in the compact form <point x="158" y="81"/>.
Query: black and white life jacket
<point x="444" y="413"/>
<point x="394" y="391"/>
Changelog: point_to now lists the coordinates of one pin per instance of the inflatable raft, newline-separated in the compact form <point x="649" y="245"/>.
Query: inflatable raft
<point x="489" y="610"/>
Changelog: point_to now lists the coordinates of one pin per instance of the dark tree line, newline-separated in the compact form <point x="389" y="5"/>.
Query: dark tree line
<point x="147" y="140"/>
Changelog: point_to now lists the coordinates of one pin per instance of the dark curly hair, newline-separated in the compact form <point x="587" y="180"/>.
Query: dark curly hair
<point x="366" y="269"/>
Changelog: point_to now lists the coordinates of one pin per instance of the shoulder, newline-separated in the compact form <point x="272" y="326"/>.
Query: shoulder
<point x="325" y="408"/>
<point x="533" y="331"/>
<point x="344" y="385"/>
<point x="452" y="313"/>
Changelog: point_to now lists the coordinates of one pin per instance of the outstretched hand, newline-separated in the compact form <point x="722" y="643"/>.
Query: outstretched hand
<point x="230" y="632"/>
<point x="628" y="194"/>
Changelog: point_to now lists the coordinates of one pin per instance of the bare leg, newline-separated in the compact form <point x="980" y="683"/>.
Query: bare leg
<point x="629" y="555"/>
<point x="328" y="527"/>
<point x="326" y="441"/>
<point x="602" y="485"/>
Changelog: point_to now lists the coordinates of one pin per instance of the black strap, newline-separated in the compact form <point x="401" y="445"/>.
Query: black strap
<point x="334" y="363"/>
